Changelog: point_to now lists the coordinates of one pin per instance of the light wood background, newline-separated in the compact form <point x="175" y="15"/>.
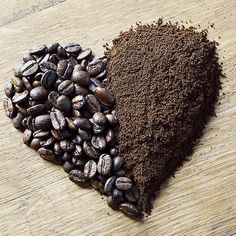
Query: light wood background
<point x="36" y="198"/>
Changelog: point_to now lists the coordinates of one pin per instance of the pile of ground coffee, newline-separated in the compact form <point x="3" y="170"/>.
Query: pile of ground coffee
<point x="165" y="79"/>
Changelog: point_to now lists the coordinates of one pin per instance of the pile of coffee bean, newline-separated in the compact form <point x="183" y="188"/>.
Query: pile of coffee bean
<point x="58" y="100"/>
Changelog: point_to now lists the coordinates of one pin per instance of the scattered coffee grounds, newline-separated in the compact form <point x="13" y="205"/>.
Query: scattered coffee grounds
<point x="165" y="79"/>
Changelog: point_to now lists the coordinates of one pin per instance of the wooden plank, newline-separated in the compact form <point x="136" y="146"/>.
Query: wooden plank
<point x="36" y="198"/>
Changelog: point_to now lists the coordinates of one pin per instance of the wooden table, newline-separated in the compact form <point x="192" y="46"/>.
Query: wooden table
<point x="36" y="197"/>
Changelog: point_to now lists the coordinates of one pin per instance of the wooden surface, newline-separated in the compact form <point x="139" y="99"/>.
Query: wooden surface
<point x="36" y="198"/>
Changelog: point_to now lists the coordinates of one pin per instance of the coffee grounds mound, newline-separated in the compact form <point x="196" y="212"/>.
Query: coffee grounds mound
<point x="166" y="81"/>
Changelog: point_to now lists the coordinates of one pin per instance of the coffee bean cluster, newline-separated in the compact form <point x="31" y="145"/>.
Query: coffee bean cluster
<point x="57" y="98"/>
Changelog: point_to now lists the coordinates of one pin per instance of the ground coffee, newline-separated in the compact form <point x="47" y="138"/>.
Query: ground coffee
<point x="165" y="79"/>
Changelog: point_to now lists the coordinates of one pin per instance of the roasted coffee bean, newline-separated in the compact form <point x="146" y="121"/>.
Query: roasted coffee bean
<point x="66" y="133"/>
<point x="67" y="157"/>
<point x="78" y="102"/>
<point x="90" y="151"/>
<point x="110" y="136"/>
<point x="79" y="90"/>
<point x="40" y="134"/>
<point x="43" y="58"/>
<point x="84" y="64"/>
<point x="78" y="151"/>
<point x="121" y="172"/>
<point x="39" y="50"/>
<point x="129" y="210"/>
<point x="39" y="93"/>
<point x="84" y="54"/>
<point x="67" y="145"/>
<point x="78" y="177"/>
<point x="36" y="84"/>
<point x="38" y="76"/>
<point x="9" y="107"/>
<point x="97" y="129"/>
<point x="27" y="123"/>
<point x="70" y="124"/>
<point x="90" y="169"/>
<point x="112" y="120"/>
<point x="77" y="139"/>
<point x="64" y="104"/>
<point x="95" y="67"/>
<point x="98" y="142"/>
<point x="72" y="48"/>
<point x="94" y="84"/>
<point x="66" y="87"/>
<point x="85" y="134"/>
<point x="99" y="118"/>
<point x="47" y="143"/>
<point x="117" y="163"/>
<point x="17" y="84"/>
<point x="132" y="195"/>
<point x="80" y="77"/>
<point x="29" y="68"/>
<point x="68" y="167"/>
<point x="17" y="71"/>
<point x="54" y="58"/>
<point x="104" y="97"/>
<point x="9" y="90"/>
<point x="36" y="110"/>
<point x="97" y="185"/>
<point x="104" y="164"/>
<point x="17" y="121"/>
<point x="76" y="114"/>
<point x="46" y="154"/>
<point x="48" y="79"/>
<point x="35" y="144"/>
<point x="113" y="152"/>
<point x="64" y="69"/>
<point x="80" y="162"/>
<point x="26" y="84"/>
<point x="109" y="185"/>
<point x="57" y="149"/>
<point x="52" y="97"/>
<point x="101" y="75"/>
<point x="20" y="97"/>
<point x="57" y="119"/>
<point x="27" y="136"/>
<point x="114" y="202"/>
<point x="92" y="104"/>
<point x="27" y="57"/>
<point x="82" y="123"/>
<point x="61" y="52"/>
<point x="22" y="110"/>
<point x="46" y="65"/>
<point x="73" y="61"/>
<point x="52" y="47"/>
<point x="117" y="193"/>
<point x="123" y="183"/>
<point x="43" y="122"/>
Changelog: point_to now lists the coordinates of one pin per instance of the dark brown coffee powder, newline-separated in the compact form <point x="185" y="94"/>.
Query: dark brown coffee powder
<point x="165" y="79"/>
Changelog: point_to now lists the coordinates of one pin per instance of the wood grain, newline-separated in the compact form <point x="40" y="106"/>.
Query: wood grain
<point x="36" y="198"/>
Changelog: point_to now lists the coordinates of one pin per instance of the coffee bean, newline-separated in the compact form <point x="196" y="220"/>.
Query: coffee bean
<point x="9" y="107"/>
<point x="117" y="163"/>
<point x="52" y="97"/>
<point x="92" y="104"/>
<point x="17" y="71"/>
<point x="17" y="84"/>
<point x="40" y="134"/>
<point x="95" y="67"/>
<point x="26" y="84"/>
<point x="121" y="172"/>
<point x="43" y="122"/>
<point x="132" y="195"/>
<point x="76" y="114"/>
<point x="104" y="164"/>
<point x="73" y="61"/>
<point x="46" y="154"/>
<point x="57" y="149"/>
<point x="29" y="68"/>
<point x="64" y="104"/>
<point x="97" y="185"/>
<point x="110" y="136"/>
<point x="70" y="124"/>
<point x="123" y="183"/>
<point x="114" y="202"/>
<point x="78" y="151"/>
<point x="36" y="110"/>
<point x="39" y="93"/>
<point x="35" y="144"/>
<point x="79" y="161"/>
<point x="27" y="123"/>
<point x="97" y="129"/>
<point x="20" y="97"/>
<point x="46" y="65"/>
<point x="17" y="121"/>
<point x="66" y="87"/>
<point x="61" y="52"/>
<point x="47" y="143"/>
<point x="90" y="169"/>
<point x="68" y="167"/>
<point x="78" y="102"/>
<point x="80" y="77"/>
<point x="9" y="90"/>
<point x="94" y="84"/>
<point x="112" y="120"/>
<point x="77" y="139"/>
<point x="84" y="64"/>
<point x="99" y="118"/>
<point x="39" y="50"/>
<point x="79" y="90"/>
<point x="57" y="119"/>
<point x="104" y="97"/>
<point x="113" y="152"/>
<point x="43" y="58"/>
<point x="85" y="134"/>
<point x="101" y="75"/>
<point x="67" y="157"/>
<point x="64" y="69"/>
<point x="117" y="193"/>
<point x="109" y="185"/>
<point x="98" y="142"/>
<point x="78" y="177"/>
<point x="66" y="133"/>
<point x="28" y="57"/>
<point x="48" y="79"/>
<point x="129" y="210"/>
<point x="82" y="123"/>
<point x="52" y="47"/>
<point x="21" y="109"/>
<point x="54" y="58"/>
<point x="84" y="54"/>
<point x="90" y="151"/>
<point x="66" y="145"/>
<point x="27" y="136"/>
<point x="72" y="48"/>
<point x="36" y="84"/>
